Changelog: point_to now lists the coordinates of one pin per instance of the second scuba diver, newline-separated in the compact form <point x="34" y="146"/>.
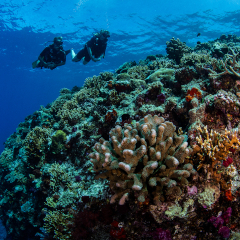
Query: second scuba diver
<point x="94" y="49"/>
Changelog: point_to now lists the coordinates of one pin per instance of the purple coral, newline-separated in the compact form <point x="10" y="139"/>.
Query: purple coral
<point x="74" y="129"/>
<point x="161" y="234"/>
<point x="192" y="190"/>
<point x="226" y="215"/>
<point x="161" y="98"/>
<point x="218" y="222"/>
<point x="224" y="232"/>
<point x="78" y="178"/>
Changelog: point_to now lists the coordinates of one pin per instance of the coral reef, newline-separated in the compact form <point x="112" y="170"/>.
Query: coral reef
<point x="150" y="151"/>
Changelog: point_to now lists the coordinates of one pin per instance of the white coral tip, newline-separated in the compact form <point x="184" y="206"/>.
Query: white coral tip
<point x="136" y="187"/>
<point x="123" y="199"/>
<point x="154" y="165"/>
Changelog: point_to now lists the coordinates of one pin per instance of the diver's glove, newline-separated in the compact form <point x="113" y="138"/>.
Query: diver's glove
<point x="52" y="65"/>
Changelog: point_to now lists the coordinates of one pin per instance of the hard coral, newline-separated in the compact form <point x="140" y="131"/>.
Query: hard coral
<point x="148" y="155"/>
<point x="212" y="149"/>
<point x="176" y="49"/>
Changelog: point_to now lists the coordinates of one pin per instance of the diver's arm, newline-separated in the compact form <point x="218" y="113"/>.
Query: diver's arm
<point x="42" y="61"/>
<point x="92" y="57"/>
<point x="98" y="59"/>
<point x="53" y="65"/>
<point x="90" y="53"/>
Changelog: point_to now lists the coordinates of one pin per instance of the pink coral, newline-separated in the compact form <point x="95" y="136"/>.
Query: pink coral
<point x="192" y="190"/>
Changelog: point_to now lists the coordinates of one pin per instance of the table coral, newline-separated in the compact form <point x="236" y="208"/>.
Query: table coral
<point x="165" y="73"/>
<point x="149" y="154"/>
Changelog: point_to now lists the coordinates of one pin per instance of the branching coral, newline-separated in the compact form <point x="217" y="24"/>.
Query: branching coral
<point x="148" y="155"/>
<point x="36" y="142"/>
<point x="212" y="149"/>
<point x="231" y="66"/>
<point x="59" y="223"/>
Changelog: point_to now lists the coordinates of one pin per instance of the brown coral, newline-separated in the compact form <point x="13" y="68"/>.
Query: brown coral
<point x="148" y="155"/>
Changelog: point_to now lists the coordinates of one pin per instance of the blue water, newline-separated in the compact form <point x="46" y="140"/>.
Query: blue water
<point x="138" y="28"/>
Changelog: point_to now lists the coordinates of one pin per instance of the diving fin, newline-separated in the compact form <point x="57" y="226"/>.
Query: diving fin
<point x="35" y="63"/>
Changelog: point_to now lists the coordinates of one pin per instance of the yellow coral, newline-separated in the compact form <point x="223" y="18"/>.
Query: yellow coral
<point x="58" y="223"/>
<point x="211" y="149"/>
<point x="177" y="211"/>
<point x="209" y="196"/>
<point x="215" y="145"/>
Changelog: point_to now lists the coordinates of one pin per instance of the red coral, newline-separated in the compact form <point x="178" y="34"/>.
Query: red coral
<point x="227" y="162"/>
<point x="122" y="87"/>
<point x="116" y="231"/>
<point x="228" y="195"/>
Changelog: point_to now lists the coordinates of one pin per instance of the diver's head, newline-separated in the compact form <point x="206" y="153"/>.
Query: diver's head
<point x="57" y="42"/>
<point x="104" y="34"/>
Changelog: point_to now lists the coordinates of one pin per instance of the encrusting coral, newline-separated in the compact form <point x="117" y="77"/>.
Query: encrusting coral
<point x="148" y="154"/>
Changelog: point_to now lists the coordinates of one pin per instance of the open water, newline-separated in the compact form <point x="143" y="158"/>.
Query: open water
<point x="138" y="28"/>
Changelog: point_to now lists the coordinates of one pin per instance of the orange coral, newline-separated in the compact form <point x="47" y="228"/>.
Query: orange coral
<point x="110" y="84"/>
<point x="228" y="195"/>
<point x="194" y="92"/>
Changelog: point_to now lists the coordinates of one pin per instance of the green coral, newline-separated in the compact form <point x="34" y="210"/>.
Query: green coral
<point x="177" y="211"/>
<point x="58" y="141"/>
<point x="58" y="223"/>
<point x="36" y="143"/>
<point x="209" y="196"/>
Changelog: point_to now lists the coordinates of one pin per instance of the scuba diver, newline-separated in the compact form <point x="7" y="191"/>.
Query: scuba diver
<point x="52" y="56"/>
<point x="94" y="49"/>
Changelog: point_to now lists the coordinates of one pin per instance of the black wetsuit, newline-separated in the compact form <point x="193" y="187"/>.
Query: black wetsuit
<point x="97" y="46"/>
<point x="50" y="54"/>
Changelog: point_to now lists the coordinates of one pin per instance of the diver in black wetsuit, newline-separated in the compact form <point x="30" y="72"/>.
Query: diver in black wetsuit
<point x="94" y="49"/>
<point x="52" y="56"/>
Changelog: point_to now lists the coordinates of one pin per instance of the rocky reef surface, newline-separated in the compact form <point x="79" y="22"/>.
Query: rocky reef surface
<point x="148" y="152"/>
